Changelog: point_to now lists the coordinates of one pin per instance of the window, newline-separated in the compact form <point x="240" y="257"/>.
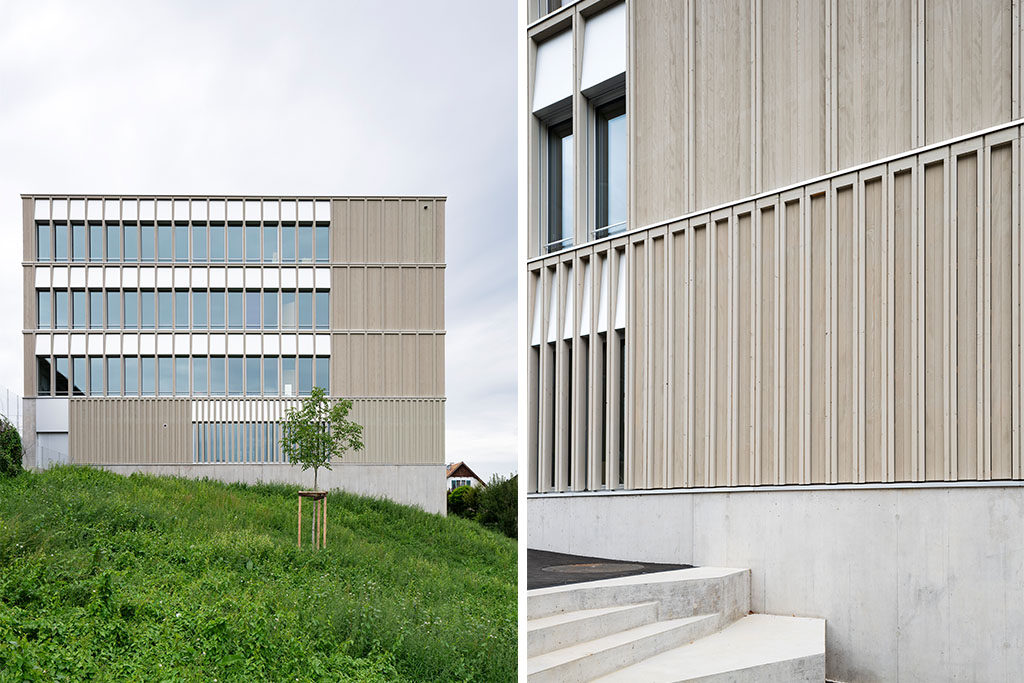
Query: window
<point x="323" y="315"/>
<point x="43" y="375"/>
<point x="113" y="377"/>
<point x="78" y="309"/>
<point x="166" y="375"/>
<point x="288" y="310"/>
<point x="147" y="243"/>
<point x="270" y="376"/>
<point x="610" y="167"/>
<point x="199" y="368"/>
<point x="323" y="246"/>
<point x="60" y="242"/>
<point x="148" y="376"/>
<point x="559" y="187"/>
<point x="78" y="239"/>
<point x="181" y="309"/>
<point x="216" y="242"/>
<point x="270" y="310"/>
<point x="306" y="243"/>
<point x="43" y="248"/>
<point x="270" y="251"/>
<point x="148" y="300"/>
<point x="181" y="375"/>
<point x="78" y="383"/>
<point x="131" y="376"/>
<point x="164" y="246"/>
<point x="95" y="309"/>
<point x="96" y="376"/>
<point x="60" y="317"/>
<point x="43" y="308"/>
<point x="252" y="310"/>
<point x="131" y="243"/>
<point x="165" y="308"/>
<point x="181" y="243"/>
<point x="113" y="243"/>
<point x="323" y="373"/>
<point x="252" y="243"/>
<point x="288" y="376"/>
<point x="199" y="309"/>
<point x="288" y="243"/>
<point x="62" y="376"/>
<point x="198" y="242"/>
<point x="217" y="309"/>
<point x="234" y="243"/>
<point x="113" y="309"/>
<point x="306" y="310"/>
<point x="252" y="375"/>
<point x="217" y="376"/>
<point x="235" y="375"/>
<point x="95" y="242"/>
<point x="305" y="375"/>
<point x="235" y="310"/>
<point x="131" y="310"/>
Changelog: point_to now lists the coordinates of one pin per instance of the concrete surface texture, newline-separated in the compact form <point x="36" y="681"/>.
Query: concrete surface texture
<point x="900" y="574"/>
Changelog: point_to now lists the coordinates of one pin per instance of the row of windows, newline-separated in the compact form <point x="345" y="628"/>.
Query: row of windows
<point x="237" y="442"/>
<point x="198" y="309"/>
<point x="181" y="375"/>
<point x="132" y="243"/>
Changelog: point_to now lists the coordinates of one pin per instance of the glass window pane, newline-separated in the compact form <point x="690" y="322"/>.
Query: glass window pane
<point x="198" y="242"/>
<point x="216" y="242"/>
<point x="164" y="247"/>
<point x="181" y="309"/>
<point x="96" y="376"/>
<point x="560" y="186"/>
<point x="95" y="242"/>
<point x="306" y="243"/>
<point x="43" y="247"/>
<point x="60" y="318"/>
<point x="199" y="309"/>
<point x="131" y="243"/>
<point x="234" y="243"/>
<point x="113" y="243"/>
<point x="252" y="243"/>
<point x="252" y="375"/>
<point x="323" y="314"/>
<point x="78" y="308"/>
<point x="611" y="168"/>
<point x="235" y="310"/>
<point x="181" y="375"/>
<point x="288" y="376"/>
<point x="165" y="308"/>
<point x="78" y="242"/>
<point x="95" y="309"/>
<point x="199" y="375"/>
<point x="43" y="308"/>
<point x="166" y="376"/>
<point x="305" y="375"/>
<point x="288" y="243"/>
<point x="235" y="375"/>
<point x="217" y="309"/>
<point x="288" y="310"/>
<point x="62" y="376"/>
<point x="114" y="309"/>
<point x="270" y="252"/>
<point x="181" y="243"/>
<point x="148" y="304"/>
<point x="252" y="310"/>
<point x="270" y="310"/>
<point x="131" y="310"/>
<point x="42" y="376"/>
<point x="78" y="378"/>
<point x="131" y="376"/>
<point x="217" y="376"/>
<point x="306" y="310"/>
<point x="323" y="375"/>
<point x="114" y="376"/>
<point x="147" y="243"/>
<point x="270" y="376"/>
<point x="148" y="376"/>
<point x="60" y="242"/>
<point x="323" y="247"/>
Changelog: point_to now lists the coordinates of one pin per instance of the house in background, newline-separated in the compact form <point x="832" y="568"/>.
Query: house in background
<point x="459" y="474"/>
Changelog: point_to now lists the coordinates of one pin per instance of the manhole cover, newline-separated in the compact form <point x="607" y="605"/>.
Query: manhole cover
<point x="593" y="568"/>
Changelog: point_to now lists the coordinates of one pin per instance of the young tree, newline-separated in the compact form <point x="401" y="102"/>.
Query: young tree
<point x="319" y="430"/>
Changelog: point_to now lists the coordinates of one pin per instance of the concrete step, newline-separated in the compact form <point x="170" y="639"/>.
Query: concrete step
<point x="588" y="660"/>
<point x="546" y="634"/>
<point x="760" y="648"/>
<point x="679" y="593"/>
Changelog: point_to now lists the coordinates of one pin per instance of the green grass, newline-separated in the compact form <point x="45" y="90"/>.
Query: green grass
<point x="157" y="578"/>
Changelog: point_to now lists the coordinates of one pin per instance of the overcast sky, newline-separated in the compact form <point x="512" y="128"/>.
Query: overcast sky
<point x="290" y="97"/>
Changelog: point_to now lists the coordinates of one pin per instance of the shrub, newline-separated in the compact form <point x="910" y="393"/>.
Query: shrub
<point x="462" y="502"/>
<point x="498" y="505"/>
<point x="10" y="449"/>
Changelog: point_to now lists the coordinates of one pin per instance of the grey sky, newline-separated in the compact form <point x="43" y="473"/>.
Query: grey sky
<point x="358" y="98"/>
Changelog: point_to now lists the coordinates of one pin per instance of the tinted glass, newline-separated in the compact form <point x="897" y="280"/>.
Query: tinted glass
<point x="181" y="243"/>
<point x="131" y="376"/>
<point x="131" y="310"/>
<point x="305" y="310"/>
<point x="96" y="376"/>
<point x="43" y="308"/>
<point x="148" y="375"/>
<point x="288" y="387"/>
<point x="95" y="242"/>
<point x="61" y="376"/>
<point x="252" y="310"/>
<point x="42" y="375"/>
<point x="60" y="317"/>
<point x="199" y="375"/>
<point x="252" y="243"/>
<point x="323" y="376"/>
<point x="234" y="310"/>
<point x="288" y="243"/>
<point x="78" y="241"/>
<point x="165" y="308"/>
<point x="147" y="298"/>
<point x="166" y="375"/>
<point x="131" y="243"/>
<point x="611" y="167"/>
<point x="113" y="376"/>
<point x="216" y="242"/>
<point x="235" y="375"/>
<point x="270" y="252"/>
<point x="270" y="376"/>
<point x="113" y="309"/>
<point x="164" y="242"/>
<point x="305" y="375"/>
<point x="234" y="243"/>
<point x="78" y="377"/>
<point x="146" y="243"/>
<point x="288" y="310"/>
<point x="305" y="243"/>
<point x="323" y="247"/>
<point x="78" y="308"/>
<point x="43" y="247"/>
<point x="181" y="375"/>
<point x="217" y="309"/>
<point x="60" y="242"/>
<point x="95" y="309"/>
<point x="198" y="242"/>
<point x="181" y="309"/>
<point x="270" y="310"/>
<point x="217" y="375"/>
<point x="199" y="309"/>
<point x="323" y="314"/>
<point x="252" y="375"/>
<point x="113" y="243"/>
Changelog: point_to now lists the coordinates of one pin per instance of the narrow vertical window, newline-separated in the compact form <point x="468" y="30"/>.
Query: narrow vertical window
<point x="252" y="375"/>
<point x="62" y="376"/>
<point x="288" y="310"/>
<point x="305" y="375"/>
<point x="131" y="310"/>
<point x="271" y="253"/>
<point x="288" y="376"/>
<point x="131" y="376"/>
<point x="43" y="308"/>
<point x="95" y="309"/>
<point x="147" y="298"/>
<point x="199" y="309"/>
<point x="560" y="186"/>
<point x="181" y="243"/>
<point x="288" y="243"/>
<point x="166" y="370"/>
<point x="235" y="375"/>
<point x="252" y="310"/>
<point x="78" y="378"/>
<point x="305" y="243"/>
<point x="60" y="242"/>
<point x="270" y="375"/>
<point x="181" y="376"/>
<point x="610" y="168"/>
<point x="323" y="373"/>
<point x="199" y="368"/>
<point x="60" y="313"/>
<point x="113" y="242"/>
<point x="234" y="243"/>
<point x="252" y="243"/>
<point x="147" y="243"/>
<point x="78" y="242"/>
<point x="43" y="376"/>
<point x="165" y="309"/>
<point x="323" y="245"/>
<point x="181" y="309"/>
<point x="43" y="242"/>
<point x="165" y="243"/>
<point x="217" y="376"/>
<point x="217" y="309"/>
<point x="114" y="376"/>
<point x="198" y="242"/>
<point x="96" y="242"/>
<point x="305" y="310"/>
<point x="96" y="376"/>
<point x="78" y="309"/>
<point x="148" y="376"/>
<point x="131" y="243"/>
<point x="217" y="243"/>
<point x="270" y="310"/>
<point x="323" y="314"/>
<point x="235" y="310"/>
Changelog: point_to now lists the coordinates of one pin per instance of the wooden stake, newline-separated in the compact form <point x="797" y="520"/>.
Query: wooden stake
<point x="325" y="522"/>
<point x="300" y="521"/>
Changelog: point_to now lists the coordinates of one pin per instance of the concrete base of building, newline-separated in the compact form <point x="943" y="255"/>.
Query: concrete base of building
<point x="420" y="485"/>
<point x="901" y="574"/>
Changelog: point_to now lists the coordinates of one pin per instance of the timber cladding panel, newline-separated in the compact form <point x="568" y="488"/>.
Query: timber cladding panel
<point x="863" y="328"/>
<point x="387" y="230"/>
<point x="130" y="430"/>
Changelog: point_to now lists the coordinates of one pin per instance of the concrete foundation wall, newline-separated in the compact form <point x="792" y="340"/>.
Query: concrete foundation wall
<point x="419" y="485"/>
<point x="916" y="584"/>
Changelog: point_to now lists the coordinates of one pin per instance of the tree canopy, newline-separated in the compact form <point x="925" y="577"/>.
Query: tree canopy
<point x="318" y="430"/>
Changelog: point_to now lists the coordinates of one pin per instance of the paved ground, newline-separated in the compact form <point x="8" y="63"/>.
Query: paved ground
<point x="545" y="569"/>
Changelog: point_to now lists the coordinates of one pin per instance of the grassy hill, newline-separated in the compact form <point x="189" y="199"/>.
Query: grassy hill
<point x="153" y="578"/>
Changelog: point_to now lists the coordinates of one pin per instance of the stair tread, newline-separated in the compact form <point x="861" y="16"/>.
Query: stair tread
<point x="671" y="576"/>
<point x="581" y="614"/>
<point x="754" y="640"/>
<point x="574" y="652"/>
